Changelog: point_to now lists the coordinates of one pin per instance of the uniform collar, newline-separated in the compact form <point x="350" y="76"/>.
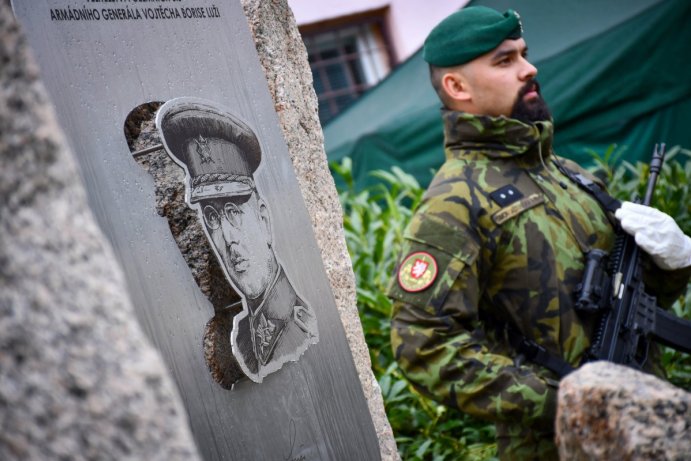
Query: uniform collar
<point x="495" y="137"/>
<point x="270" y="315"/>
<point x="277" y="300"/>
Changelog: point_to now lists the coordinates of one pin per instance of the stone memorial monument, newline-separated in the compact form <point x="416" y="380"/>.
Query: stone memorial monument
<point x="216" y="245"/>
<point x="78" y="378"/>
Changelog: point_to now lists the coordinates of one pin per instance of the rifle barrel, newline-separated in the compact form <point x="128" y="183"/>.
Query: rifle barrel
<point x="655" y="167"/>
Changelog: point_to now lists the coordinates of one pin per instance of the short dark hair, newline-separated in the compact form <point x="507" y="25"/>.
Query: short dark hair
<point x="435" y="75"/>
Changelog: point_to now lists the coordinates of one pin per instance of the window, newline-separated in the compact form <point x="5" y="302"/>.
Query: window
<point x="346" y="60"/>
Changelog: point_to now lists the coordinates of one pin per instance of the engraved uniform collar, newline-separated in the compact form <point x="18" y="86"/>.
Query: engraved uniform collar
<point x="269" y="319"/>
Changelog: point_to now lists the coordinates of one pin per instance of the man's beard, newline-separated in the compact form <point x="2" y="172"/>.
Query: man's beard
<point x="534" y="110"/>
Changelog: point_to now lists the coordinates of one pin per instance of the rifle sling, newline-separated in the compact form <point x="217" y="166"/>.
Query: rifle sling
<point x="537" y="354"/>
<point x="605" y="200"/>
<point x="670" y="330"/>
<point x="530" y="349"/>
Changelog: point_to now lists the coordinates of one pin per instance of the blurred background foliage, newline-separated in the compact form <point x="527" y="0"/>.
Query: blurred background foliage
<point x="374" y="221"/>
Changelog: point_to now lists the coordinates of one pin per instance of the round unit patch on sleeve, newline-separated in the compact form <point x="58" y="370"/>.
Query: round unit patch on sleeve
<point x="417" y="272"/>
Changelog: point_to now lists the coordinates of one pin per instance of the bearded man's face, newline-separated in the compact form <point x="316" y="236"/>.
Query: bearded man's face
<point x="529" y="106"/>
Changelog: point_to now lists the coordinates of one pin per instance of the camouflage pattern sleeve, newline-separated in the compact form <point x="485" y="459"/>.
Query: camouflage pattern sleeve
<point x="437" y="337"/>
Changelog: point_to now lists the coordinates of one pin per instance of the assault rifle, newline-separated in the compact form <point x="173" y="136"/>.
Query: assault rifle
<point x="612" y="288"/>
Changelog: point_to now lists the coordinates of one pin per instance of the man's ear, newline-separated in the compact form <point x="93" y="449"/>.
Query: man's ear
<point x="456" y="87"/>
<point x="266" y="220"/>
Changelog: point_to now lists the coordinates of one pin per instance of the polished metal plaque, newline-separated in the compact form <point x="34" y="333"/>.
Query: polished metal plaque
<point x="290" y="389"/>
<point x="220" y="155"/>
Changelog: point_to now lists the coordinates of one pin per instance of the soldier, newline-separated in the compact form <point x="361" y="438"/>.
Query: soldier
<point x="496" y="248"/>
<point x="220" y="154"/>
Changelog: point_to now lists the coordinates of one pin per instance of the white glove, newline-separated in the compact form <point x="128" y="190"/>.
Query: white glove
<point x="657" y="234"/>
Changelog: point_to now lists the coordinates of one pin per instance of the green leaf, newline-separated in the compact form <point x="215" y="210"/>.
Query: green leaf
<point x="422" y="449"/>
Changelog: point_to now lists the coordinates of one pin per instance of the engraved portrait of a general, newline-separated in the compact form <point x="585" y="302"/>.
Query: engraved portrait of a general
<point x="220" y="154"/>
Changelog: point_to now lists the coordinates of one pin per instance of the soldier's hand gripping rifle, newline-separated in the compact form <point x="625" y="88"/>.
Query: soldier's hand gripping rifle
<point x="628" y="317"/>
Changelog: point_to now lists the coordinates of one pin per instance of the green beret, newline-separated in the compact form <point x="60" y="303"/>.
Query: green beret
<point x="469" y="33"/>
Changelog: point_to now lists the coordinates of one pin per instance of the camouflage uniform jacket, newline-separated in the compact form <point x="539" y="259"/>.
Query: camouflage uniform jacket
<point x="498" y="238"/>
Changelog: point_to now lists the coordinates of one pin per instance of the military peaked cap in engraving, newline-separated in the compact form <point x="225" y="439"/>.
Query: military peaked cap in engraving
<point x="219" y="151"/>
<point x="469" y="33"/>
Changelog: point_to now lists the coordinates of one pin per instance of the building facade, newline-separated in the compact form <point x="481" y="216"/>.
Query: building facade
<point x="353" y="45"/>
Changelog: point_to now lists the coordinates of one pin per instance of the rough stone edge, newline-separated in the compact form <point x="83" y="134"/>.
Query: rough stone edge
<point x="605" y="412"/>
<point x="283" y="57"/>
<point x="98" y="403"/>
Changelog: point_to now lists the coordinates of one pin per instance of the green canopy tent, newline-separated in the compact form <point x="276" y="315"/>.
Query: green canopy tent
<point x="612" y="72"/>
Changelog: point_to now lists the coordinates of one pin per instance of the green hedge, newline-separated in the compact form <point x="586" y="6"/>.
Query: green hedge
<point x="374" y="220"/>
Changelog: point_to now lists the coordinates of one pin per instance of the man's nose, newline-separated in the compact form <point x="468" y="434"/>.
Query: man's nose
<point x="528" y="71"/>
<point x="227" y="229"/>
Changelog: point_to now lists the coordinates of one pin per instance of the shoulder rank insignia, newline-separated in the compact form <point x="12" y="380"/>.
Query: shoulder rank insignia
<point x="506" y="195"/>
<point x="417" y="272"/>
